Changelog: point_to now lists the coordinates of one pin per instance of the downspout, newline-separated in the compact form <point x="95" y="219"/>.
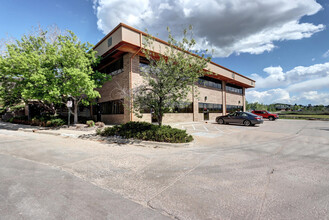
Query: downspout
<point x="131" y="71"/>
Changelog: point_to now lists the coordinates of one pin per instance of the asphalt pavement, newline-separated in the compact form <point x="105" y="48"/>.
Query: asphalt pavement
<point x="278" y="170"/>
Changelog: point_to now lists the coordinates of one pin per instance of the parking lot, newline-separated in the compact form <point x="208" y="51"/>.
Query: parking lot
<point x="277" y="170"/>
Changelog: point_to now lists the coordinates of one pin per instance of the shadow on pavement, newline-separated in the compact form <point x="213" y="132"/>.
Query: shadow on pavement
<point x="16" y="127"/>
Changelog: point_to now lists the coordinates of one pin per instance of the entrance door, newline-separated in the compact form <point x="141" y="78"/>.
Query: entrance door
<point x="99" y="115"/>
<point x="206" y="115"/>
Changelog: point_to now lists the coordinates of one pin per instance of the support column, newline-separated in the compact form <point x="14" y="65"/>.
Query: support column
<point x="224" y="97"/>
<point x="244" y="99"/>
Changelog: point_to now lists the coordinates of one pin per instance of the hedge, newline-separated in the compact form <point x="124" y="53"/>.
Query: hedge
<point x="147" y="131"/>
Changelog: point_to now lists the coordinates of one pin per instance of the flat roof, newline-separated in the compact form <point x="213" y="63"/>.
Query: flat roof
<point x="161" y="41"/>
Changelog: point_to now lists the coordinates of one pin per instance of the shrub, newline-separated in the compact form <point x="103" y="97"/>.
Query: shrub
<point x="38" y="121"/>
<point x="56" y="122"/>
<point x="147" y="131"/>
<point x="90" y="123"/>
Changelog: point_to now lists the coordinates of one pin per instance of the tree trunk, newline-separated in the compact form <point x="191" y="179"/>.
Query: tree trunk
<point x="159" y="119"/>
<point x="159" y="112"/>
<point x="75" y="112"/>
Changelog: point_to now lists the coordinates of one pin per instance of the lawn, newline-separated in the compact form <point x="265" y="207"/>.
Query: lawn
<point x="291" y="116"/>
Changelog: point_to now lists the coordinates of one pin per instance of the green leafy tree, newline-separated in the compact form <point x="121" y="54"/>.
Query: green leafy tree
<point x="170" y="75"/>
<point x="74" y="72"/>
<point x="50" y="69"/>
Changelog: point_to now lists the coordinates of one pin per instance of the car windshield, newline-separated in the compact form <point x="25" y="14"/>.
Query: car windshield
<point x="269" y="112"/>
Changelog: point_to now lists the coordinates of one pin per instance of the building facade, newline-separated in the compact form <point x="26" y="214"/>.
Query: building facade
<point x="216" y="94"/>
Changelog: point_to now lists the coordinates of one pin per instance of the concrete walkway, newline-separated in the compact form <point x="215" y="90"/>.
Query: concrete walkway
<point x="66" y="132"/>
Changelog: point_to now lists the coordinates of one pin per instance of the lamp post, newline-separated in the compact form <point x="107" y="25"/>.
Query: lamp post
<point x="69" y="106"/>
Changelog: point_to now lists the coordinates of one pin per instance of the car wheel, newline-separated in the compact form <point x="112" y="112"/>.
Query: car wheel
<point x="247" y="123"/>
<point x="220" y="121"/>
<point x="271" y="118"/>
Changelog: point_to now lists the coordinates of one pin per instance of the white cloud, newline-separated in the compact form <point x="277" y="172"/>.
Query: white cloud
<point x="273" y="95"/>
<point x="298" y="85"/>
<point x="223" y="25"/>
<point x="326" y="54"/>
<point x="275" y="77"/>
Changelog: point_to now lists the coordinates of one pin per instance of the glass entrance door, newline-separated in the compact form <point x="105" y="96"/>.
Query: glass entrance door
<point x="206" y="115"/>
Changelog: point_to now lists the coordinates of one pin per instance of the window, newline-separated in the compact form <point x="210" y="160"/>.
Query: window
<point x="185" y="107"/>
<point x="234" y="88"/>
<point x="233" y="108"/>
<point x="210" y="82"/>
<point x="109" y="42"/>
<point x="114" y="68"/>
<point x="210" y="107"/>
<point x="112" y="107"/>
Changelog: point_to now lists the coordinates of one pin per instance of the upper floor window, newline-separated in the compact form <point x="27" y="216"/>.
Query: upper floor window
<point x="234" y="88"/>
<point x="114" y="68"/>
<point x="210" y="82"/>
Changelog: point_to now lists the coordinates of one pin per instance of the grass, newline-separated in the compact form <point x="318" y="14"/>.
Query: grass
<point x="304" y="116"/>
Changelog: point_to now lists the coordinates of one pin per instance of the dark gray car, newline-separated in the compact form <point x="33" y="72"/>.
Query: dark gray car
<point x="245" y="118"/>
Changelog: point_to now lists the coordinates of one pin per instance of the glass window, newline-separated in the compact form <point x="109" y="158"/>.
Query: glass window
<point x="185" y="107"/>
<point x="114" y="68"/>
<point x="211" y="107"/>
<point x="234" y="88"/>
<point x="210" y="82"/>
<point x="233" y="108"/>
<point x="112" y="107"/>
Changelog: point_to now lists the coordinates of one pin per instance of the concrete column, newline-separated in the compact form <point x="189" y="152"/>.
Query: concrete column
<point x="224" y="97"/>
<point x="244" y="99"/>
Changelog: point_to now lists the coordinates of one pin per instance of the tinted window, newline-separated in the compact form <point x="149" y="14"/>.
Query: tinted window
<point x="210" y="82"/>
<point x="114" y="68"/>
<point x="234" y="88"/>
<point x="112" y="107"/>
<point x="211" y="107"/>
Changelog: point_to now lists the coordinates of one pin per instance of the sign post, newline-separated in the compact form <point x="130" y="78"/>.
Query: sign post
<point x="69" y="106"/>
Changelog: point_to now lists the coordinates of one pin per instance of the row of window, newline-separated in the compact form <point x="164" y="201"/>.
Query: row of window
<point x="233" y="108"/>
<point x="116" y="107"/>
<point x="185" y="107"/>
<point x="210" y="82"/>
<point x="234" y="88"/>
<point x="210" y="107"/>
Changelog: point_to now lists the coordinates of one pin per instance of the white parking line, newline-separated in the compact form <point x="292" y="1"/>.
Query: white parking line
<point x="193" y="127"/>
<point x="205" y="128"/>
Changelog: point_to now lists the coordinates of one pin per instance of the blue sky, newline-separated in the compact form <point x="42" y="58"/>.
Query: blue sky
<point x="283" y="45"/>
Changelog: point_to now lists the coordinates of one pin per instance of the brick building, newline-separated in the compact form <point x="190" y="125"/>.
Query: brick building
<point x="218" y="94"/>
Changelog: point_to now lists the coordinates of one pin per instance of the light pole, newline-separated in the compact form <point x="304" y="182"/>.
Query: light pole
<point x="69" y="106"/>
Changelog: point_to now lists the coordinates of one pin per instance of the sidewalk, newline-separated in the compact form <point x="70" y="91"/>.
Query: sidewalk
<point x="67" y="132"/>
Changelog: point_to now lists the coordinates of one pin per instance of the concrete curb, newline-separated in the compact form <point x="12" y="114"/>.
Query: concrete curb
<point x="119" y="140"/>
<point x="110" y="140"/>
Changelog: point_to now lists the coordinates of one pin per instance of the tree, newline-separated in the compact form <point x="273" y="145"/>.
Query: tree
<point x="170" y="74"/>
<point x="74" y="72"/>
<point x="50" y="68"/>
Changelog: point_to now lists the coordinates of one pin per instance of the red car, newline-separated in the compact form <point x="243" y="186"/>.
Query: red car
<point x="266" y="114"/>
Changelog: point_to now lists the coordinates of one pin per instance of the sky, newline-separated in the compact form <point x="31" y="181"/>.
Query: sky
<point x="283" y="45"/>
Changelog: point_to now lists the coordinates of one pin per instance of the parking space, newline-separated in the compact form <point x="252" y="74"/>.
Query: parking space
<point x="211" y="129"/>
<point x="229" y="172"/>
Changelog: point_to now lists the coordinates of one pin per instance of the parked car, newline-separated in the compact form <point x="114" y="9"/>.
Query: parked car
<point x="245" y="118"/>
<point x="266" y="114"/>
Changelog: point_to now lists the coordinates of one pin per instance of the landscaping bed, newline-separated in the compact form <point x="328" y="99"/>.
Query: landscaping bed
<point x="147" y="132"/>
<point x="38" y="121"/>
